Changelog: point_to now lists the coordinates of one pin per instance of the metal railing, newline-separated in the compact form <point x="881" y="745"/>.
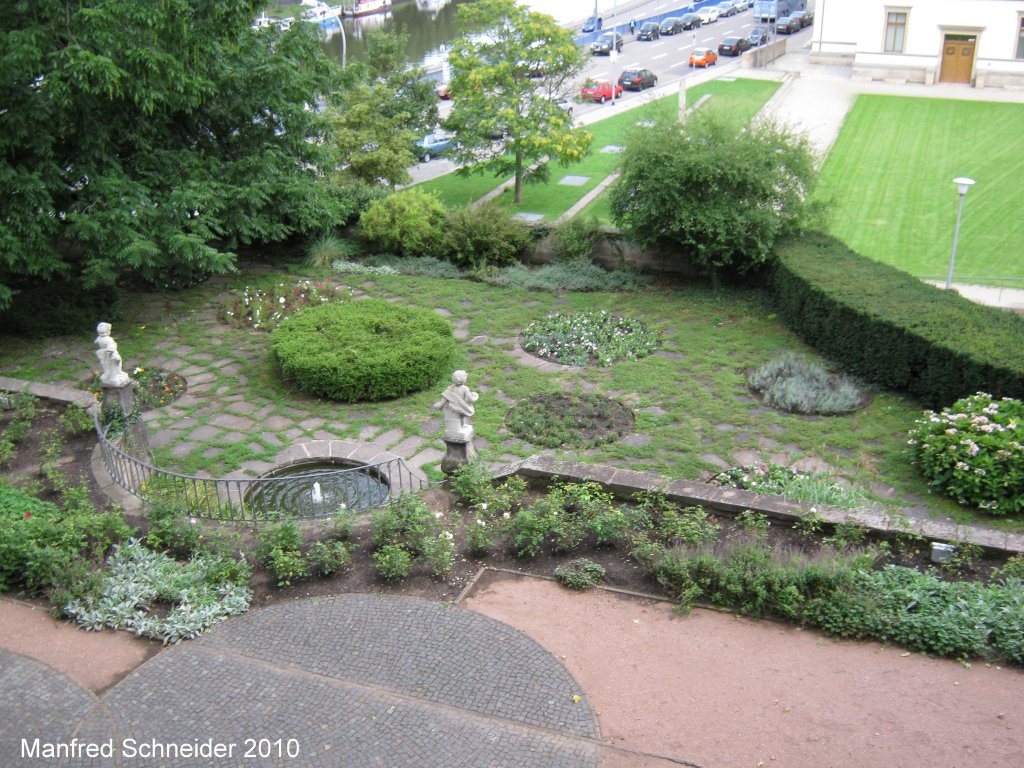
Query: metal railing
<point x="248" y="499"/>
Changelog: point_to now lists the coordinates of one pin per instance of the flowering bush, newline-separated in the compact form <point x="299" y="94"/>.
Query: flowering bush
<point x="974" y="452"/>
<point x="264" y="309"/>
<point x="153" y="387"/>
<point x="583" y="337"/>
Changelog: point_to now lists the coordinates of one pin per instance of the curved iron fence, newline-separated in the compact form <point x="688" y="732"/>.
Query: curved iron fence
<point x="252" y="499"/>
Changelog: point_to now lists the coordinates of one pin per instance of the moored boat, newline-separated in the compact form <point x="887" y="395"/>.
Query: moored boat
<point x="364" y="7"/>
<point x="325" y="16"/>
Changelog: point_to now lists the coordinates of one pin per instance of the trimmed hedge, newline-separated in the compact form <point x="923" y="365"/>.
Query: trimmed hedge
<point x="363" y="350"/>
<point x="892" y="329"/>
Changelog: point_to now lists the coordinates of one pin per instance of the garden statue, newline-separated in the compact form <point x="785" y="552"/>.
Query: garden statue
<point x="111" y="374"/>
<point x="456" y="404"/>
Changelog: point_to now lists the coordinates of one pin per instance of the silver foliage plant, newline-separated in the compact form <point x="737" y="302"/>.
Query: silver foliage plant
<point x="791" y="382"/>
<point x="137" y="577"/>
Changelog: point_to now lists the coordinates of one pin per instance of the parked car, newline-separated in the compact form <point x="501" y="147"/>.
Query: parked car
<point x="787" y="25"/>
<point x="563" y="104"/>
<point x="806" y="17"/>
<point x="650" y="30"/>
<point x="637" y="79"/>
<point x="592" y="24"/>
<point x="671" y="25"/>
<point x="741" y="5"/>
<point x="690" y="20"/>
<point x="733" y="46"/>
<point x="432" y="145"/>
<point x="758" y="36"/>
<point x="600" y="91"/>
<point x="726" y="9"/>
<point x="708" y="14"/>
<point x="703" y="57"/>
<point x="606" y="43"/>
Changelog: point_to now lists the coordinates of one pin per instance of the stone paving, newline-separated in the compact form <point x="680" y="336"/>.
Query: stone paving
<point x="354" y="680"/>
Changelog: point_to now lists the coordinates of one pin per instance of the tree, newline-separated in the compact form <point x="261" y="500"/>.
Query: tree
<point x="510" y="68"/>
<point x="720" y="192"/>
<point x="151" y="139"/>
<point x="379" y="111"/>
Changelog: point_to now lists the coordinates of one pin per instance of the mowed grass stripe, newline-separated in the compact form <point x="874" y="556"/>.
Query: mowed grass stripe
<point x="890" y="175"/>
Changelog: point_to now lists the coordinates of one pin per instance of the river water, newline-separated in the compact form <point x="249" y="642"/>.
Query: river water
<point x="430" y="24"/>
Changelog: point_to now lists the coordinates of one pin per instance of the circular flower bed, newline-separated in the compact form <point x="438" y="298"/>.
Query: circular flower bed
<point x="265" y="308"/>
<point x="363" y="350"/>
<point x="974" y="452"/>
<point x="792" y="383"/>
<point x="589" y="337"/>
<point x="574" y="421"/>
<point x="153" y="387"/>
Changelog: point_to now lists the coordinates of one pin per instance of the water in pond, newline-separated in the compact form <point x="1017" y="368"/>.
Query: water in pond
<point x="317" y="489"/>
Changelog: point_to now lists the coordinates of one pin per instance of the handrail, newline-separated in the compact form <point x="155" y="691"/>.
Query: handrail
<point x="245" y="499"/>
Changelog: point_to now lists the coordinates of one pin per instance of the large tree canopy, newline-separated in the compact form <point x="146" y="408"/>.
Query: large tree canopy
<point x="153" y="137"/>
<point x="510" y="68"/>
<point x="719" y="192"/>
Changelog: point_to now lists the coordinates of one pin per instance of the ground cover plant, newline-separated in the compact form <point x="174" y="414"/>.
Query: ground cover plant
<point x="569" y="420"/>
<point x="881" y="213"/>
<point x="585" y="338"/>
<point x="265" y="308"/>
<point x="973" y="451"/>
<point x="792" y="484"/>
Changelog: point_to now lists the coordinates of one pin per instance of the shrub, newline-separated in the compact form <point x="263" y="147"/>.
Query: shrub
<point x="483" y="235"/>
<point x="171" y="529"/>
<point x="584" y="337"/>
<point x="392" y="562"/>
<point x="37" y="536"/>
<point x="480" y="533"/>
<point x="891" y="329"/>
<point x="57" y="308"/>
<point x="327" y="557"/>
<point x="439" y="552"/>
<point x="576" y="239"/>
<point x="471" y="482"/>
<point x="287" y="565"/>
<point x="527" y="530"/>
<point x="404" y="522"/>
<point x="409" y="223"/>
<point x="791" y="382"/>
<point x="580" y="574"/>
<point x="579" y="275"/>
<point x="974" y="452"/>
<point x="364" y="350"/>
<point x="282" y="536"/>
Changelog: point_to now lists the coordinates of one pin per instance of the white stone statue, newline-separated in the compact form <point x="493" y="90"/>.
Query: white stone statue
<point x="456" y="405"/>
<point x="111" y="374"/>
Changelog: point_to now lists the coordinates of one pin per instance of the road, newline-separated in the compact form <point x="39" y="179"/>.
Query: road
<point x="668" y="57"/>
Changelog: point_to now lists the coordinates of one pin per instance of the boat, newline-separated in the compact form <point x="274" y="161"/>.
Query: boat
<point x="365" y="7"/>
<point x="325" y="16"/>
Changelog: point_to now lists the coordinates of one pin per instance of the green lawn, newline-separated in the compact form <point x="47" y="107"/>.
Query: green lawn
<point x="890" y="175"/>
<point x="745" y="97"/>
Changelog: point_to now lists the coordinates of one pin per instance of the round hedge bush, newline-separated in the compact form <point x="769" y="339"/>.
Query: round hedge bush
<point x="974" y="452"/>
<point x="363" y="350"/>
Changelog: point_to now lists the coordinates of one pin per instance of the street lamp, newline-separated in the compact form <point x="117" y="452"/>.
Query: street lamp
<point x="962" y="185"/>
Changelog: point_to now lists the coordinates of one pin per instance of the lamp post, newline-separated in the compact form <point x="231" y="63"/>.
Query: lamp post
<point x="962" y="185"/>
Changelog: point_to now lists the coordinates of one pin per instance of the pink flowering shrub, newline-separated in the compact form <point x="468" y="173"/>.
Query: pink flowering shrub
<point x="974" y="452"/>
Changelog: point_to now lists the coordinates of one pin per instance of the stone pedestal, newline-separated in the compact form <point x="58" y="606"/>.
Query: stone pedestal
<point x="137" y="436"/>
<point x="458" y="453"/>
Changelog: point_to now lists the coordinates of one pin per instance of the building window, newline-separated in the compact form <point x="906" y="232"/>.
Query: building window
<point x="895" y="31"/>
<point x="1020" y="38"/>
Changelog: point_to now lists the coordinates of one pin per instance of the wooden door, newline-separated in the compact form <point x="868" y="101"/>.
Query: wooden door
<point x="957" y="59"/>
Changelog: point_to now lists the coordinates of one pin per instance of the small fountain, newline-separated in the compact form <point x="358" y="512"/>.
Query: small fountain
<point x="335" y="485"/>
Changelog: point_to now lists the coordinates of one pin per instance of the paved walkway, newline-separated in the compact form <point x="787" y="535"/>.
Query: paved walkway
<point x="353" y="680"/>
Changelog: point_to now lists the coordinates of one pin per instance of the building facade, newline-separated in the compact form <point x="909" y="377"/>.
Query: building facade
<point x="978" y="42"/>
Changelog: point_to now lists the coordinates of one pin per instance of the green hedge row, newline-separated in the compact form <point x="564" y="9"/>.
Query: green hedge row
<point x="894" y="330"/>
<point x="364" y="350"/>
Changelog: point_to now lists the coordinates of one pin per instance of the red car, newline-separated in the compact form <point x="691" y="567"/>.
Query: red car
<point x="703" y="57"/>
<point x="600" y="91"/>
<point x="443" y="92"/>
